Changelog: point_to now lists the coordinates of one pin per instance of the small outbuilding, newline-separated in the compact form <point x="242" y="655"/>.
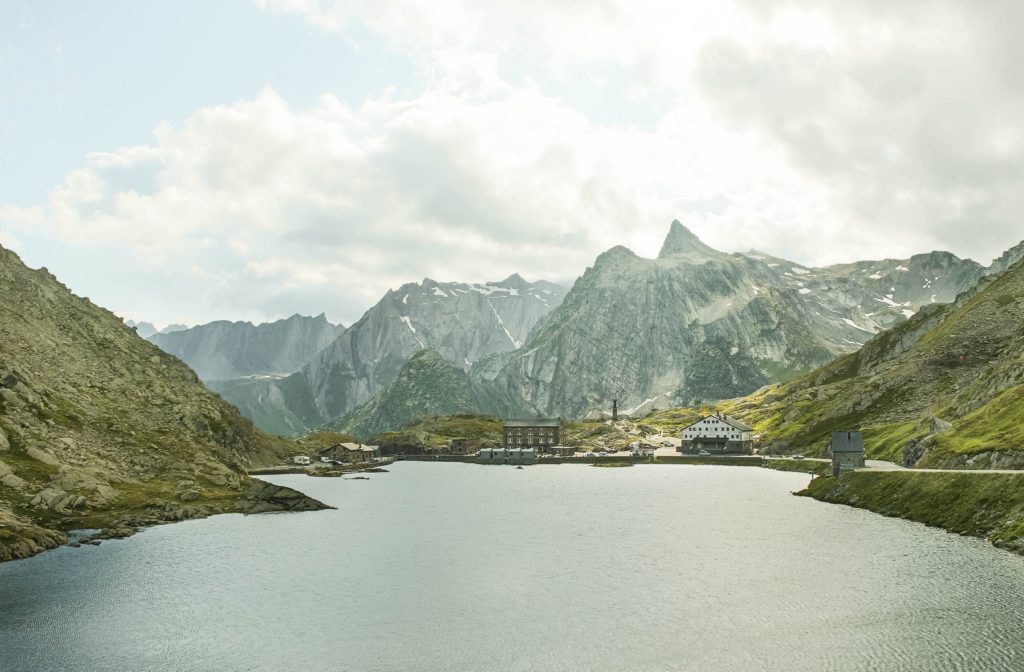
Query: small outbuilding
<point x="507" y="456"/>
<point x="463" y="446"/>
<point x="847" y="452"/>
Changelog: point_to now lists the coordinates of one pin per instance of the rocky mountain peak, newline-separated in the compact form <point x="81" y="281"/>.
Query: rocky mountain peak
<point x="680" y="240"/>
<point x="514" y="280"/>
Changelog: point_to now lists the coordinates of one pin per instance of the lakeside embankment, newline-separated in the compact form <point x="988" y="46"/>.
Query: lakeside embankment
<point x="989" y="506"/>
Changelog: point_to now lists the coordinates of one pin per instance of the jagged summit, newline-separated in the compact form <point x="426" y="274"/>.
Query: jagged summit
<point x="680" y="240"/>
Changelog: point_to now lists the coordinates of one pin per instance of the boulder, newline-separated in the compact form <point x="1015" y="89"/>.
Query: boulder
<point x="9" y="397"/>
<point x="42" y="456"/>
<point x="10" y="479"/>
<point x="938" y="425"/>
<point x="5" y="443"/>
<point x="50" y="498"/>
<point x="190" y="495"/>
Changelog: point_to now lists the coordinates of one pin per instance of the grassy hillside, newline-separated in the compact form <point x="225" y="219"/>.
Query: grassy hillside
<point x="990" y="506"/>
<point x="99" y="428"/>
<point x="427" y="385"/>
<point x="949" y="379"/>
<point x="433" y="434"/>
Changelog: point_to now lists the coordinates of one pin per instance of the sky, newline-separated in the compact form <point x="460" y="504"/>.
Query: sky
<point x="251" y="159"/>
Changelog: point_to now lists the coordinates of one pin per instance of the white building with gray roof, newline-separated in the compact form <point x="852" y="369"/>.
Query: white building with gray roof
<point x="718" y="434"/>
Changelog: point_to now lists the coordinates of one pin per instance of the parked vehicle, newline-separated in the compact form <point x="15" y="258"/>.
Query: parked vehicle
<point x="326" y="460"/>
<point x="798" y="457"/>
<point x="704" y="453"/>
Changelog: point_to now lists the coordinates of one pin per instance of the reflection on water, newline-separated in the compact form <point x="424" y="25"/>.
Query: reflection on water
<point x="460" y="567"/>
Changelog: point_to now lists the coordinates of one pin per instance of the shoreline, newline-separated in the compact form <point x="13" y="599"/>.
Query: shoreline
<point x="25" y="538"/>
<point x="987" y="506"/>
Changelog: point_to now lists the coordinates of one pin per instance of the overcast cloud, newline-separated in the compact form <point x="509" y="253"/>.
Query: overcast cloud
<point x="537" y="135"/>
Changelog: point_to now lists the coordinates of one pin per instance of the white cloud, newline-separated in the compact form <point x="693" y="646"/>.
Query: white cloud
<point x="814" y="131"/>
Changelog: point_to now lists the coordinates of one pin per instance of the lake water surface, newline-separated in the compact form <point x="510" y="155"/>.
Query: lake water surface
<point x="455" y="567"/>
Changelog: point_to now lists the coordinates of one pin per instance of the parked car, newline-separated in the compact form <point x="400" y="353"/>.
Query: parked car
<point x="704" y="453"/>
<point x="798" y="457"/>
<point x="667" y="444"/>
<point x="326" y="460"/>
<point x="591" y="454"/>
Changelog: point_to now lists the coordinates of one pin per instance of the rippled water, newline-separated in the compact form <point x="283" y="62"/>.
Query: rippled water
<point x="461" y="567"/>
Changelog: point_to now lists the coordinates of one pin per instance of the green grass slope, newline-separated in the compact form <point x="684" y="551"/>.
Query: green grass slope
<point x="990" y="506"/>
<point x="949" y="379"/>
<point x="427" y="385"/>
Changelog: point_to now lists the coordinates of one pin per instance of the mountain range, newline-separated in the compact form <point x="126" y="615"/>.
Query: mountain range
<point x="695" y="325"/>
<point x="692" y="325"/>
<point x="944" y="389"/>
<point x="224" y="350"/>
<point x="463" y="322"/>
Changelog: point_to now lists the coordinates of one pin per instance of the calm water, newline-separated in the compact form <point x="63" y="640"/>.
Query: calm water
<point x="458" y="567"/>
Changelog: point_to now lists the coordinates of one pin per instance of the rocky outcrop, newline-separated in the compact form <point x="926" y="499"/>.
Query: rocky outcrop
<point x="227" y="350"/>
<point x="263" y="497"/>
<point x="101" y="428"/>
<point x="19" y="538"/>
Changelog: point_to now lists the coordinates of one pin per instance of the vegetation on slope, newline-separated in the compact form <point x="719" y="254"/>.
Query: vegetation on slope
<point x="427" y="385"/>
<point x="434" y="433"/>
<point x="990" y="506"/>
<point x="942" y="389"/>
<point x="99" y="428"/>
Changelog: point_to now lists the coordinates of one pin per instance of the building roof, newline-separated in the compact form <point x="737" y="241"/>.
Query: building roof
<point x="729" y="420"/>
<point x="534" y="422"/>
<point x="847" y="442"/>
<point x="357" y="447"/>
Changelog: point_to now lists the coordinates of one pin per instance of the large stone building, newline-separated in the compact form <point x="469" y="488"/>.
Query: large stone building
<point x="541" y="434"/>
<point x="847" y="452"/>
<point x="718" y="434"/>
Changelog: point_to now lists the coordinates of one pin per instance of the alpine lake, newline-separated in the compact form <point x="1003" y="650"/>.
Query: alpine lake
<point x="459" y="567"/>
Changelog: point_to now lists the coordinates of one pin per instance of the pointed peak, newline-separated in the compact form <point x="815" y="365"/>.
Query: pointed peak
<point x="514" y="280"/>
<point x="680" y="240"/>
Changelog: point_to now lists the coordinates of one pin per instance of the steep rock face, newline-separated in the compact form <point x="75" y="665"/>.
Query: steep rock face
<point x="943" y="389"/>
<point x="696" y="324"/>
<point x="225" y="350"/>
<point x="462" y="322"/>
<point x="426" y="385"/>
<point x="99" y="428"/>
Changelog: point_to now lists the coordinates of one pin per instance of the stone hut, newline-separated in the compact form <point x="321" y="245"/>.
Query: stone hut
<point x="847" y="452"/>
<point x="463" y="446"/>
